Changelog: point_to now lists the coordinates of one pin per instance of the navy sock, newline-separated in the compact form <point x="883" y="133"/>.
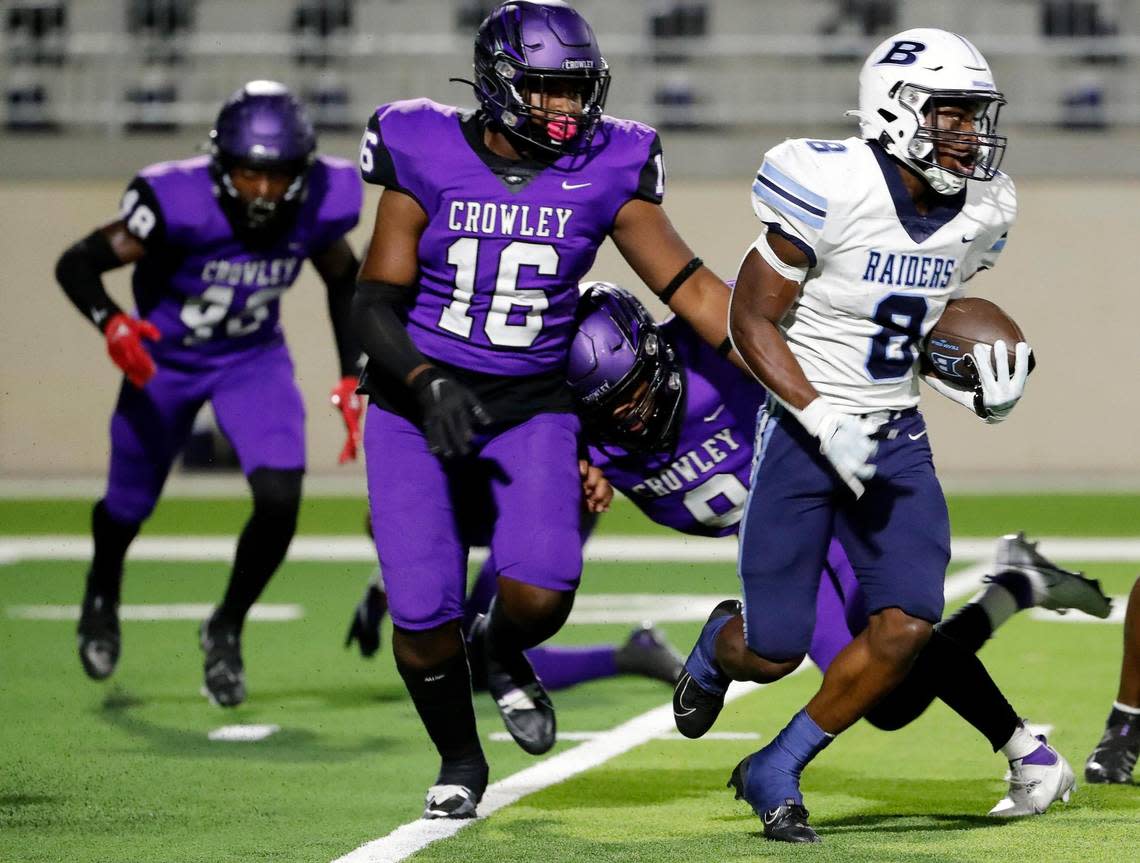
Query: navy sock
<point x="774" y="772"/>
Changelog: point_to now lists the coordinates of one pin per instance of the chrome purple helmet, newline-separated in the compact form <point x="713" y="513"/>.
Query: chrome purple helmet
<point x="618" y="349"/>
<point x="262" y="126"/>
<point x="527" y="48"/>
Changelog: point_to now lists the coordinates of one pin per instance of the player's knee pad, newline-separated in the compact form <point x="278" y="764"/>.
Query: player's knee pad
<point x="276" y="495"/>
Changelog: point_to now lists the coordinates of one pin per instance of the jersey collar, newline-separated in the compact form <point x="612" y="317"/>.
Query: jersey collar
<point x="920" y="227"/>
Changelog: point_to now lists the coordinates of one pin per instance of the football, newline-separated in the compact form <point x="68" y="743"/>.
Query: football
<point x="966" y="322"/>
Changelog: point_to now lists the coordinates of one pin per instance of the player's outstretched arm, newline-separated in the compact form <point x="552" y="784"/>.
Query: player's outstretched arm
<point x="79" y="272"/>
<point x="386" y="284"/>
<point x="337" y="267"/>
<point x="761" y="298"/>
<point x="653" y="248"/>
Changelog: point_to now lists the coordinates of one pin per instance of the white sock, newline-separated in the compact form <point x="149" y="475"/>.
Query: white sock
<point x="1022" y="743"/>
<point x="1124" y="708"/>
<point x="998" y="603"/>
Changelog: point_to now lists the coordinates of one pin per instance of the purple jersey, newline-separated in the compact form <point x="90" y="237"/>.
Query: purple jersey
<point x="210" y="294"/>
<point x="700" y="487"/>
<point x="506" y="241"/>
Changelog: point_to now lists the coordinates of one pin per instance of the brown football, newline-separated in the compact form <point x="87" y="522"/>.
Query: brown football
<point x="965" y="323"/>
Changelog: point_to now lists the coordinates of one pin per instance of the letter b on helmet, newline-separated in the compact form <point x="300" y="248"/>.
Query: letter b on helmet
<point x="902" y="53"/>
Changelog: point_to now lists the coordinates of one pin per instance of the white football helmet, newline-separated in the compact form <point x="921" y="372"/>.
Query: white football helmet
<point x="902" y="86"/>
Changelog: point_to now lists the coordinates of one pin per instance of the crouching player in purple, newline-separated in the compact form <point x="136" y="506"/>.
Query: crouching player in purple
<point x="216" y="240"/>
<point x="465" y="308"/>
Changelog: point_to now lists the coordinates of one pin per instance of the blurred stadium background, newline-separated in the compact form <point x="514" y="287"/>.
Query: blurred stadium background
<point x="96" y="89"/>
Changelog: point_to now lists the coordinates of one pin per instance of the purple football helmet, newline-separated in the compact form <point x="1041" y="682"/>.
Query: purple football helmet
<point x="526" y="49"/>
<point x="619" y="359"/>
<point x="264" y="127"/>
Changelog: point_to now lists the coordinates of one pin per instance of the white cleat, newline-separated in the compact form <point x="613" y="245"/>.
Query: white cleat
<point x="1053" y="588"/>
<point x="1035" y="783"/>
<point x="450" y="801"/>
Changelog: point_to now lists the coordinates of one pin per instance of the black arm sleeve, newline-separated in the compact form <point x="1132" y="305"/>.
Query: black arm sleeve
<point x="79" y="271"/>
<point x="340" y="292"/>
<point x="379" y="325"/>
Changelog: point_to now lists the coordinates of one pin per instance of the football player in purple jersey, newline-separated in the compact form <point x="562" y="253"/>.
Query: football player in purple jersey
<point x="215" y="240"/>
<point x="465" y="308"/>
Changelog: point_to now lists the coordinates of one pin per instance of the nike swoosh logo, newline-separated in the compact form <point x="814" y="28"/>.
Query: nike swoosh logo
<point x="711" y="417"/>
<point x="969" y="239"/>
<point x="571" y="186"/>
<point x="918" y="436"/>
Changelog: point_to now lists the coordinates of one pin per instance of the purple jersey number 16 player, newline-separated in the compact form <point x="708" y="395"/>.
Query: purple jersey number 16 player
<point x="215" y="240"/>
<point x="465" y="308"/>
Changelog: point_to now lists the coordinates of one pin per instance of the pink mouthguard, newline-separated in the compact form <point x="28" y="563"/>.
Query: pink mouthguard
<point x="562" y="129"/>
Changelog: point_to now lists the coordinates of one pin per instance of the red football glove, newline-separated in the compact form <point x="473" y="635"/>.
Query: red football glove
<point x="124" y="345"/>
<point x="351" y="407"/>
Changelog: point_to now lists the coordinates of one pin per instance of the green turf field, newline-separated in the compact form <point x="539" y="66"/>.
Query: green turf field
<point x="124" y="771"/>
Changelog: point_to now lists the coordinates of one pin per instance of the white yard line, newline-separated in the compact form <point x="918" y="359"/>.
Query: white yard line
<point x="409" y="838"/>
<point x="603" y="548"/>
<point x="274" y="613"/>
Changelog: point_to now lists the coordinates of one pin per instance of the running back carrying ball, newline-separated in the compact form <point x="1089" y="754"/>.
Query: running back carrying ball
<point x="948" y="350"/>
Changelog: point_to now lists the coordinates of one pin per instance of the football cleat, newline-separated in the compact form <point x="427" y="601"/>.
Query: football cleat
<point x="1114" y="758"/>
<point x="366" y="619"/>
<point x="646" y="652"/>
<point x="523" y="703"/>
<point x="98" y="637"/>
<point x="224" y="674"/>
<point x="699" y="694"/>
<point x="450" y="801"/>
<point x="1036" y="782"/>
<point x="784" y="823"/>
<point x="1053" y="588"/>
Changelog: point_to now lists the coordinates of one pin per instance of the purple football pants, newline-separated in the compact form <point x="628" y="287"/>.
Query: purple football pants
<point x="518" y="492"/>
<point x="255" y="400"/>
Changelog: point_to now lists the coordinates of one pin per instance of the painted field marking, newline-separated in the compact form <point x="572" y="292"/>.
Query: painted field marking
<point x="242" y="733"/>
<point x="271" y="613"/>
<point x="409" y="838"/>
<point x="603" y="548"/>
<point x="581" y="736"/>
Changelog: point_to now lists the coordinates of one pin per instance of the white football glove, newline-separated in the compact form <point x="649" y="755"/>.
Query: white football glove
<point x="844" y="440"/>
<point x="997" y="391"/>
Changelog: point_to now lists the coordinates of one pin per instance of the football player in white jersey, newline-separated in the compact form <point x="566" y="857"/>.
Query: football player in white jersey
<point x="864" y="241"/>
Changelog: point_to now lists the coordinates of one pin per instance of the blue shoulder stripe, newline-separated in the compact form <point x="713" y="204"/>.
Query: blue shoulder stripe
<point x="793" y="189"/>
<point x="782" y="204"/>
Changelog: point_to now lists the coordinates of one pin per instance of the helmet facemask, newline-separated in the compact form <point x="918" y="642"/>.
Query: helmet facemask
<point x="261" y="214"/>
<point x="642" y="412"/>
<point x="627" y="384"/>
<point x="516" y="97"/>
<point x="974" y="152"/>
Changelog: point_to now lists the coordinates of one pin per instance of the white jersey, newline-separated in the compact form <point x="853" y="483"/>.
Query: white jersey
<point x="880" y="272"/>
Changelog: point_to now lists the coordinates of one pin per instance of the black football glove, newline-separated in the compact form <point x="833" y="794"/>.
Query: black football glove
<point x="451" y="412"/>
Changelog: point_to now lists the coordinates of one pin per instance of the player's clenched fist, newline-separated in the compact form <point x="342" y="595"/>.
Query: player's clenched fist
<point x="125" y="346"/>
<point x="451" y="412"/>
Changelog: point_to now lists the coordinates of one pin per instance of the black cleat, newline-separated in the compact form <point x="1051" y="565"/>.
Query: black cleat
<point x="699" y="694"/>
<point x="224" y="682"/>
<point x="526" y="709"/>
<point x="366" y="620"/>
<point x="98" y="637"/>
<point x="457" y="791"/>
<point x="786" y="823"/>
<point x="1114" y="758"/>
<point x="646" y="652"/>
